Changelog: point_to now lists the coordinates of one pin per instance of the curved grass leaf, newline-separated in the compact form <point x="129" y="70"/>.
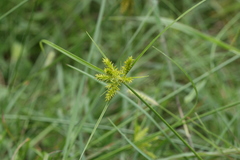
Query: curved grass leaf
<point x="189" y="78"/>
<point x="72" y="56"/>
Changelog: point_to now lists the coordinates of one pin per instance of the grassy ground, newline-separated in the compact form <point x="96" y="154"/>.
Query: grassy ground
<point x="49" y="110"/>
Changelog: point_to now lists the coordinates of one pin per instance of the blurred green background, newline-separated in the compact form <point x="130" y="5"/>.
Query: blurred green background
<point x="56" y="107"/>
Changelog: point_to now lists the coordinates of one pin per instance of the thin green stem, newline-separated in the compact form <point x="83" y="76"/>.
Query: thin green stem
<point x="94" y="129"/>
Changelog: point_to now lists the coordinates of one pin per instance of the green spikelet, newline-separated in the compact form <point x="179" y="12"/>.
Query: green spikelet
<point x="102" y="77"/>
<point x="127" y="65"/>
<point x="112" y="89"/>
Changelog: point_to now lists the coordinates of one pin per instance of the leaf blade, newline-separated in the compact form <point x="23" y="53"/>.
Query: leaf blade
<point x="70" y="55"/>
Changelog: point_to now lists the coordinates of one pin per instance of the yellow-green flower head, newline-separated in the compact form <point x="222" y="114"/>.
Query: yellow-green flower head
<point x="115" y="77"/>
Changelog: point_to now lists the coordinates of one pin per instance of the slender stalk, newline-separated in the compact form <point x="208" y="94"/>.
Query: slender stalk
<point x="94" y="129"/>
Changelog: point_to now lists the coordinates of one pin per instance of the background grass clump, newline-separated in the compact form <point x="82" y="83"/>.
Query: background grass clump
<point x="48" y="110"/>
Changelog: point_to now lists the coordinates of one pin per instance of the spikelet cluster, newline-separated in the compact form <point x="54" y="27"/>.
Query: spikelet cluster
<point x="114" y="77"/>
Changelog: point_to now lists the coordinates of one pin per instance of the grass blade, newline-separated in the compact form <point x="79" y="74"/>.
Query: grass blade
<point x="96" y="45"/>
<point x="13" y="9"/>
<point x="72" y="56"/>
<point x="94" y="129"/>
<point x="189" y="78"/>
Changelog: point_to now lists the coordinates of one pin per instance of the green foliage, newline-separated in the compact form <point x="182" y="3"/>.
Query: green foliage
<point x="50" y="111"/>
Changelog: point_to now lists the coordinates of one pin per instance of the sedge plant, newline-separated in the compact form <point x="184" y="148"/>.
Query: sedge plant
<point x="115" y="77"/>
